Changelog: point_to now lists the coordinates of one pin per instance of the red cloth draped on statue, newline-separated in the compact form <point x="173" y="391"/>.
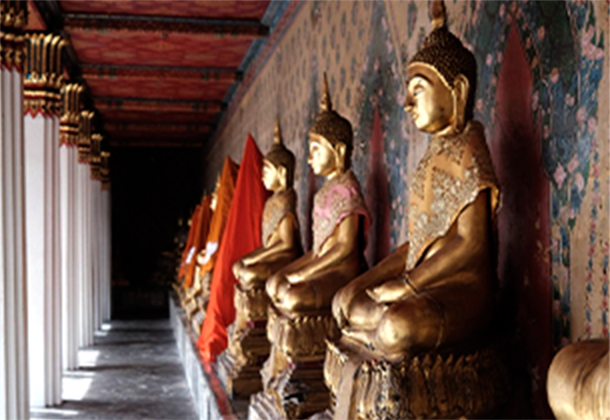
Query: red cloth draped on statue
<point x="189" y="242"/>
<point x="224" y="198"/>
<point x="199" y="240"/>
<point x="242" y="235"/>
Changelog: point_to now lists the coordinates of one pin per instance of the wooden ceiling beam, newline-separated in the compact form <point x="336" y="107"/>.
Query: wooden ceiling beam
<point x="102" y="71"/>
<point x="158" y="117"/>
<point x="131" y="127"/>
<point x="163" y="24"/>
<point x="158" y="104"/>
<point x="156" y="142"/>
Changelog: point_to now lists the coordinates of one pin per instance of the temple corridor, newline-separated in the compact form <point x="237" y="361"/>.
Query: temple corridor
<point x="131" y="372"/>
<point x="304" y="209"/>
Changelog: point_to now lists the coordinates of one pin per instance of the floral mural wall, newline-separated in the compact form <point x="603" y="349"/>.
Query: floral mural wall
<point x="543" y="99"/>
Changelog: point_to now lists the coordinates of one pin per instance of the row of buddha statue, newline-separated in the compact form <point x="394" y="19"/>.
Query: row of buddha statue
<point x="322" y="334"/>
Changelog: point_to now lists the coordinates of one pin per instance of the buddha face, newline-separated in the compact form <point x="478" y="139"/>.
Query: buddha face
<point x="274" y="177"/>
<point x="214" y="200"/>
<point x="323" y="158"/>
<point x="430" y="101"/>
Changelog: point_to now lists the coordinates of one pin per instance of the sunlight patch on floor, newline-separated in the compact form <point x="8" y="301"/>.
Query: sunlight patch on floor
<point x="42" y="413"/>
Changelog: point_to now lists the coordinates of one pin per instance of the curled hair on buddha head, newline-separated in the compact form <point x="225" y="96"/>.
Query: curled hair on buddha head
<point x="279" y="155"/>
<point x="445" y="52"/>
<point x="332" y="126"/>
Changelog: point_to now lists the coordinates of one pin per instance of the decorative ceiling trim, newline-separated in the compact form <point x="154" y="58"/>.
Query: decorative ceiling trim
<point x="157" y="24"/>
<point x="102" y="71"/>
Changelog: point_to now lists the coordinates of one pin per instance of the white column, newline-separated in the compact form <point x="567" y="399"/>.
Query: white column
<point x="85" y="256"/>
<point x="43" y="262"/>
<point x="71" y="96"/>
<point x="14" y="396"/>
<point x="80" y="251"/>
<point x="57" y="348"/>
<point x="95" y="252"/>
<point x="43" y="243"/>
<point x="89" y="257"/>
<point x="67" y="164"/>
<point x="107" y="261"/>
<point x="75" y="314"/>
<point x="83" y="230"/>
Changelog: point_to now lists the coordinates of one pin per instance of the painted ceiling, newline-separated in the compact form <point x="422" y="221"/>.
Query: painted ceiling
<point x="158" y="72"/>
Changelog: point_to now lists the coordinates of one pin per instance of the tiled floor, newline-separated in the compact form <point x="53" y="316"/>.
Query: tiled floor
<point x="132" y="372"/>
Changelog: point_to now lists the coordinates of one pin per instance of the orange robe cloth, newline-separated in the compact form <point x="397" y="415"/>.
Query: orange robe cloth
<point x="219" y="219"/>
<point x="189" y="242"/>
<point x="199" y="241"/>
<point x="242" y="236"/>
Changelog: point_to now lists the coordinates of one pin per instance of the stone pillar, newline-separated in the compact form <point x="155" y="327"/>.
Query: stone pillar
<point x="106" y="233"/>
<point x="14" y="401"/>
<point x="83" y="230"/>
<point x="69" y="125"/>
<point x="41" y="132"/>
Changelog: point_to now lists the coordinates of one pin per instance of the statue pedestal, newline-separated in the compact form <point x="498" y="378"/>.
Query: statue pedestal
<point x="248" y="344"/>
<point x="441" y="385"/>
<point x="293" y="377"/>
<point x="195" y="304"/>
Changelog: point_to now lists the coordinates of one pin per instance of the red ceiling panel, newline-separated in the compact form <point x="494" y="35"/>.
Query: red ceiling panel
<point x="225" y="9"/>
<point x="155" y="49"/>
<point x="159" y="88"/>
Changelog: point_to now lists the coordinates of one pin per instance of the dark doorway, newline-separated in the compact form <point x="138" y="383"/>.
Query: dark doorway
<point x="152" y="188"/>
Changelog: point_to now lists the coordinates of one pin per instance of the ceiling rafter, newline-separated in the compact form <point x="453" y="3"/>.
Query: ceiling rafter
<point x="144" y="127"/>
<point x="103" y="71"/>
<point x="148" y="142"/>
<point x="144" y="104"/>
<point x="162" y="24"/>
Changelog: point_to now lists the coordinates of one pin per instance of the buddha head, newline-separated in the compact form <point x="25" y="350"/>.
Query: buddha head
<point x="442" y="79"/>
<point x="330" y="140"/>
<point x="278" y="165"/>
<point x="214" y="200"/>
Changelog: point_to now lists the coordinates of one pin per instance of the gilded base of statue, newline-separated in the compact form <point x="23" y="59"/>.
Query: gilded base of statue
<point x="195" y="301"/>
<point x="177" y="286"/>
<point x="190" y="306"/>
<point x="293" y="377"/>
<point x="295" y="392"/>
<point x="248" y="344"/>
<point x="441" y="385"/>
<point x="197" y="321"/>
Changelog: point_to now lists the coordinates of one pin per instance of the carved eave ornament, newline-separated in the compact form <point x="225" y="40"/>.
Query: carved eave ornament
<point x="71" y="98"/>
<point x="43" y="74"/>
<point x="84" y="136"/>
<point x="13" y="18"/>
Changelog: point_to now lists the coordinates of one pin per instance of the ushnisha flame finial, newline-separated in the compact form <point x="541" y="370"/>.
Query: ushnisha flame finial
<point x="439" y="14"/>
<point x="326" y="103"/>
<point x="277" y="133"/>
<point x="279" y="155"/>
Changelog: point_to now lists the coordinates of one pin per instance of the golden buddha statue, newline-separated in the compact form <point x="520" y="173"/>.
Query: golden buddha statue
<point x="422" y="312"/>
<point x="195" y="297"/>
<point x="248" y="345"/>
<point x="577" y="384"/>
<point x="195" y="286"/>
<point x="301" y="293"/>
